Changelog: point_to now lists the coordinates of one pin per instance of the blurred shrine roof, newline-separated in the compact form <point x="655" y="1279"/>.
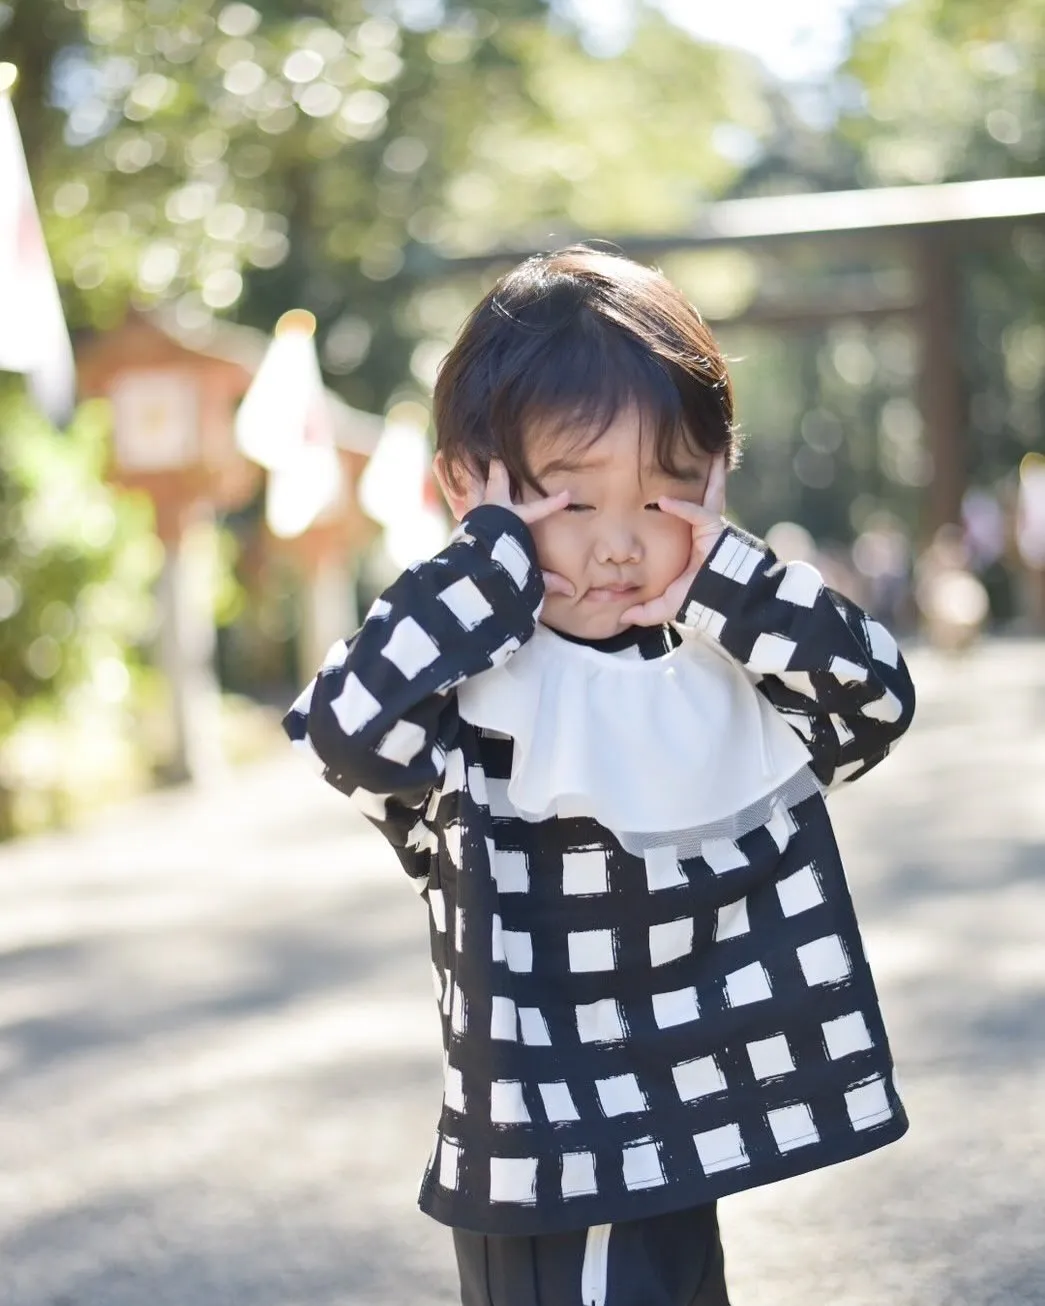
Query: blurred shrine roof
<point x="156" y="338"/>
<point x="779" y="218"/>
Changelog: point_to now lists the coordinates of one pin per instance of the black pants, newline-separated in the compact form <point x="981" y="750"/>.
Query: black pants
<point x="668" y="1260"/>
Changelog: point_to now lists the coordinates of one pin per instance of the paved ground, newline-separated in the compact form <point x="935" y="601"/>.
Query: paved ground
<point x="219" y="1064"/>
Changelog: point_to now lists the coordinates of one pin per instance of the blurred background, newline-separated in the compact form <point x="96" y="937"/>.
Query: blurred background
<point x="202" y="168"/>
<point x="236" y="240"/>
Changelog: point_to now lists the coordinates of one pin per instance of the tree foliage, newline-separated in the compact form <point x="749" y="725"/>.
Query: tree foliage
<point x="240" y="158"/>
<point x="76" y="564"/>
<point x="952" y="90"/>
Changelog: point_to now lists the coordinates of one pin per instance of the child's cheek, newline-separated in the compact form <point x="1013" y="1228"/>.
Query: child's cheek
<point x="552" y="543"/>
<point x="674" y="545"/>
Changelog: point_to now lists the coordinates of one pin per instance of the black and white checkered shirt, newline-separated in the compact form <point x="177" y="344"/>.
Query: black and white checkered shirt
<point x="731" y="1034"/>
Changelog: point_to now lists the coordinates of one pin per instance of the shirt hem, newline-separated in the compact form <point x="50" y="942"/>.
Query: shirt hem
<point x="583" y="1212"/>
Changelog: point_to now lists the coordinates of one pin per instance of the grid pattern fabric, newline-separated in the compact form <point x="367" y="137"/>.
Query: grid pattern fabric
<point x="624" y="1033"/>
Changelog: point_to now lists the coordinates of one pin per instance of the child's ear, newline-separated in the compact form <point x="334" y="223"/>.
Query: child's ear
<point x="459" y="501"/>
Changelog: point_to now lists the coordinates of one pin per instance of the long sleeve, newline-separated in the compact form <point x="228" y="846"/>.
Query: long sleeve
<point x="833" y="673"/>
<point x="380" y="716"/>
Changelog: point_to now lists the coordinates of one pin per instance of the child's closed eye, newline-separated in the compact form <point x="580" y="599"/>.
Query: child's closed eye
<point x="587" y="507"/>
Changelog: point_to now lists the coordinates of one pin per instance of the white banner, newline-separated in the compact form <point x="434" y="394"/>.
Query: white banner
<point x="285" y="424"/>
<point x="393" y="490"/>
<point x="33" y="336"/>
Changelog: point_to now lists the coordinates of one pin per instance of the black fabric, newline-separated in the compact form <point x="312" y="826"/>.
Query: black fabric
<point x="650" y="641"/>
<point x="668" y="1260"/>
<point x="668" y="1075"/>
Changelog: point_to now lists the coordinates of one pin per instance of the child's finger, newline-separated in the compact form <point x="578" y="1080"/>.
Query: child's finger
<point x="643" y="614"/>
<point x="689" y="512"/>
<point x="556" y="584"/>
<point x="540" y="508"/>
<point x="715" y="490"/>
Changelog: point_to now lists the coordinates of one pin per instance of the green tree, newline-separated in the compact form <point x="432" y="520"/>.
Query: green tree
<point x="985" y="68"/>
<point x="984" y="117"/>
<point x="76" y="562"/>
<point x="238" y="158"/>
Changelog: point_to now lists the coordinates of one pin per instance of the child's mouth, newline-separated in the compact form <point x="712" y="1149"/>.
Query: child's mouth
<point x="610" y="593"/>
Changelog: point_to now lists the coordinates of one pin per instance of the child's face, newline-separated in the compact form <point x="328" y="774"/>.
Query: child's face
<point x="612" y="542"/>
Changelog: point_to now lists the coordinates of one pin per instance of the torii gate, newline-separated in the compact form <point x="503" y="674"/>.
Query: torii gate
<point x="928" y="222"/>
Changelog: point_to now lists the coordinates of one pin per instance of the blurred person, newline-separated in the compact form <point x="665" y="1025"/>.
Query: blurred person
<point x="983" y="522"/>
<point x="1030" y="536"/>
<point x="598" y="729"/>
<point x="882" y="557"/>
<point x="952" y="601"/>
<point x="986" y="540"/>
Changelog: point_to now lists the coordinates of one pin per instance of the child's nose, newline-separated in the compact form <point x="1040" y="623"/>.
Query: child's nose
<point x="618" y="544"/>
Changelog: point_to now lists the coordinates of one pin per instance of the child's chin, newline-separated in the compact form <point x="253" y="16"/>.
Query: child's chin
<point x="598" y="624"/>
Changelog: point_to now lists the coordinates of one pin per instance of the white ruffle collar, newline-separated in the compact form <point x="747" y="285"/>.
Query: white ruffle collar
<point x="664" y="744"/>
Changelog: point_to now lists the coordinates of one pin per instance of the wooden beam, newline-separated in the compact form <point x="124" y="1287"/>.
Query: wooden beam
<point x="781" y="219"/>
<point x="942" y="389"/>
<point x="814" y="314"/>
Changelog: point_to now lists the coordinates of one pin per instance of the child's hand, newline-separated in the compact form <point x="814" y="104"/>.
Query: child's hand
<point x="498" y="490"/>
<point x="706" y="523"/>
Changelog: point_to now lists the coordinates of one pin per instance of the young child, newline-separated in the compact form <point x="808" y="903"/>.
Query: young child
<point x="597" y="729"/>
